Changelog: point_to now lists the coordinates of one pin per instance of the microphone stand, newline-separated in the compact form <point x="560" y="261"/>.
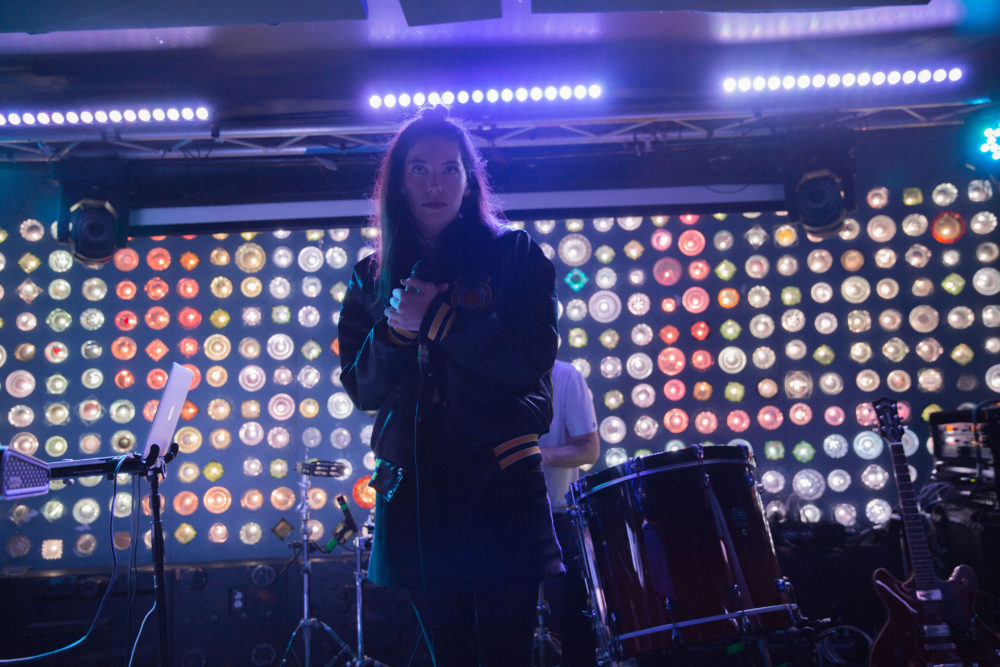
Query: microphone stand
<point x="159" y="552"/>
<point x="151" y="468"/>
<point x="307" y="623"/>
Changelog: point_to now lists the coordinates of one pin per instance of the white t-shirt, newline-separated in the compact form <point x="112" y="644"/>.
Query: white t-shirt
<point x="572" y="415"/>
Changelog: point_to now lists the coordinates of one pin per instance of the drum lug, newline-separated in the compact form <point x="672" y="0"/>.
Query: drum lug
<point x="783" y="585"/>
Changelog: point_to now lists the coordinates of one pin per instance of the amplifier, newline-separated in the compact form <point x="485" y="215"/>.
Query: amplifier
<point x="965" y="452"/>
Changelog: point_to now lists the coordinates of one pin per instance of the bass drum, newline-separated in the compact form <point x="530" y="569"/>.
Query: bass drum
<point x="678" y="551"/>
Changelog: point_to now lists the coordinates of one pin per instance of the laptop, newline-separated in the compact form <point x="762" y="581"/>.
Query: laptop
<point x="168" y="410"/>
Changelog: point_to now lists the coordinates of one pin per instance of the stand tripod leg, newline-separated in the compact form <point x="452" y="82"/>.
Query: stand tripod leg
<point x="306" y="623"/>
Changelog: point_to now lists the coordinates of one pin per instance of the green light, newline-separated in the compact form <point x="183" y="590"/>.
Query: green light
<point x="774" y="450"/>
<point x="791" y="296"/>
<point x="609" y="339"/>
<point x="734" y="392"/>
<point x="212" y="471"/>
<point x="803" y="452"/>
<point x="730" y="330"/>
<point x="725" y="270"/>
<point x="281" y="314"/>
<point x="962" y="354"/>
<point x="953" y="284"/>
<point x="613" y="399"/>
<point x="824" y="355"/>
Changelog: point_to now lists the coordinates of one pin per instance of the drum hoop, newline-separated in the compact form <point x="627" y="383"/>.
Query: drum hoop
<point x="675" y="466"/>
<point x="790" y="608"/>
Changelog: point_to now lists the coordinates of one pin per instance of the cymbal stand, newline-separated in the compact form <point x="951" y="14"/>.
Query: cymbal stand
<point x="362" y="543"/>
<point x="307" y="623"/>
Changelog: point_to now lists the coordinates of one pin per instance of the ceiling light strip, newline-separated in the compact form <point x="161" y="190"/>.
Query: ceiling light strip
<point x="111" y="116"/>
<point x="486" y="96"/>
<point x="775" y="83"/>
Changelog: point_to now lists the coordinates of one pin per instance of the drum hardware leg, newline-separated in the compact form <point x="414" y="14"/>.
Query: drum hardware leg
<point x="547" y="649"/>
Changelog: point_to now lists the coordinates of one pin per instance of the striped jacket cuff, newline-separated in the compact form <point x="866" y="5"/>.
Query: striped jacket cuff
<point x="441" y="322"/>
<point x="515" y="449"/>
<point x="400" y="337"/>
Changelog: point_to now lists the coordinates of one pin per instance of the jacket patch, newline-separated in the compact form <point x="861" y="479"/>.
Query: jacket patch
<point x="472" y="293"/>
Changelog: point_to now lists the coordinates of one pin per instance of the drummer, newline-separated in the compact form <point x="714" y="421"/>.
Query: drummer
<point x="570" y="443"/>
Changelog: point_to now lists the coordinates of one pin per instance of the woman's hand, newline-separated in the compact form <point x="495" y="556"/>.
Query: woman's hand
<point x="408" y="305"/>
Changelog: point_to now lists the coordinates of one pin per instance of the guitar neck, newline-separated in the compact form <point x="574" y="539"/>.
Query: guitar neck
<point x="913" y="523"/>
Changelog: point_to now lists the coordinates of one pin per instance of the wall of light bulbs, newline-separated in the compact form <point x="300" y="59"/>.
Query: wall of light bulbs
<point x="689" y="329"/>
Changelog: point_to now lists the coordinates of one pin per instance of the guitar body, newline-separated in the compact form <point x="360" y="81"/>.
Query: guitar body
<point x="931" y="622"/>
<point x="901" y="642"/>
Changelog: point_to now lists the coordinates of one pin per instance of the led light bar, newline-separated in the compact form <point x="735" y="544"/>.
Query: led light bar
<point x="488" y="96"/>
<point x="790" y="82"/>
<point x="113" y="116"/>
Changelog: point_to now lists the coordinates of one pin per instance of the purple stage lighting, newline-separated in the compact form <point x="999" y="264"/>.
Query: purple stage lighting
<point x="818" y="81"/>
<point x="570" y="93"/>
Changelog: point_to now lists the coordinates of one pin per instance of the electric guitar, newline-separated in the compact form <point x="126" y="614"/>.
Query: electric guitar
<point x="931" y="622"/>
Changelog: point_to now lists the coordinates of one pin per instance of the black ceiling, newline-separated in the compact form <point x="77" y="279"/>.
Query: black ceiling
<point x="272" y="78"/>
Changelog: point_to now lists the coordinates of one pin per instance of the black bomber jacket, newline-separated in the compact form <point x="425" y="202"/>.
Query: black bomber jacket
<point x="490" y="341"/>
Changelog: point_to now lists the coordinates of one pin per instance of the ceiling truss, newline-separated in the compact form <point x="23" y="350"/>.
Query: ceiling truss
<point x="318" y="140"/>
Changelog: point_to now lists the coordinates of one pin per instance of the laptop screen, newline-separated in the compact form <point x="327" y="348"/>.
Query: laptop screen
<point x="168" y="410"/>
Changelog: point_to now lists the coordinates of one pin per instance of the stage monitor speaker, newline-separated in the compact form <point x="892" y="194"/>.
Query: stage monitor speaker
<point x="422" y="12"/>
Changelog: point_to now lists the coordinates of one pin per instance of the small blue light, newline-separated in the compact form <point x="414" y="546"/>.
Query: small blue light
<point x="419" y="99"/>
<point x="521" y="94"/>
<point x="477" y="96"/>
<point x="492" y="95"/>
<point x="389" y="101"/>
<point x="536" y="94"/>
<point x="447" y="97"/>
<point x="507" y="95"/>
<point x="462" y="97"/>
<point x="433" y="99"/>
<point x="595" y="91"/>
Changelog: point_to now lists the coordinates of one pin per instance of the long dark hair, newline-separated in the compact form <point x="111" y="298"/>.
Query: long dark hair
<point x="395" y="246"/>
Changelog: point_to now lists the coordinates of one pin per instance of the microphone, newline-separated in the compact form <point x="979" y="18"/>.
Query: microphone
<point x="427" y="271"/>
<point x="346" y="528"/>
<point x="349" y="523"/>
